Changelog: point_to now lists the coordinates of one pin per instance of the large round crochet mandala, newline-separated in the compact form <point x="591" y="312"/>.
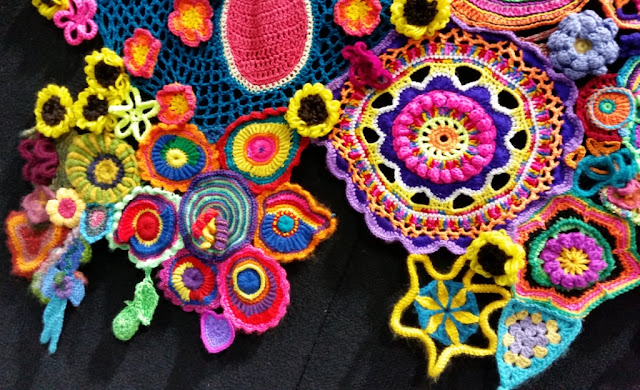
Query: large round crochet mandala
<point x="470" y="131"/>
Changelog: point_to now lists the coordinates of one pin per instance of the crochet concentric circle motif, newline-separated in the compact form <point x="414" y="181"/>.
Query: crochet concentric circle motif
<point x="254" y="288"/>
<point x="291" y="223"/>
<point x="596" y="256"/>
<point x="447" y="138"/>
<point x="172" y="155"/>
<point x="189" y="282"/>
<point x="103" y="169"/>
<point x="227" y="194"/>
<point x="262" y="148"/>
<point x="459" y="143"/>
<point x="146" y="222"/>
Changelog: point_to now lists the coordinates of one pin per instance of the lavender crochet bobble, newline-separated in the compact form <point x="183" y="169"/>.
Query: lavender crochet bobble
<point x="583" y="45"/>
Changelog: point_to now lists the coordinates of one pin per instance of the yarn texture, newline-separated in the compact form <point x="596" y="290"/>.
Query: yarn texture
<point x="583" y="45"/>
<point x="507" y="168"/>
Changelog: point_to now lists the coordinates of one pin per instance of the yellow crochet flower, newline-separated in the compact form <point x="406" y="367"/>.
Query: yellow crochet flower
<point x="66" y="209"/>
<point x="92" y="110"/>
<point x="48" y="8"/>
<point x="494" y="254"/>
<point x="312" y="111"/>
<point x="54" y="115"/>
<point x="105" y="71"/>
<point x="420" y="18"/>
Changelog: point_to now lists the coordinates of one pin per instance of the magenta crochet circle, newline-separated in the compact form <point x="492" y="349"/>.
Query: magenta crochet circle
<point x="572" y="260"/>
<point x="261" y="148"/>
<point x="444" y="137"/>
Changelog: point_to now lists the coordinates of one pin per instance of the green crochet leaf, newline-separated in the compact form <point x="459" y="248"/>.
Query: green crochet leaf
<point x="145" y="300"/>
<point x="126" y="323"/>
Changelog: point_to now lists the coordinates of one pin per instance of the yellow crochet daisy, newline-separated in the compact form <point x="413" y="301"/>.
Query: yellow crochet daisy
<point x="66" y="209"/>
<point x="420" y="18"/>
<point x="48" y="8"/>
<point x="54" y="115"/>
<point x="494" y="255"/>
<point x="105" y="71"/>
<point x="312" y="111"/>
<point x="92" y="110"/>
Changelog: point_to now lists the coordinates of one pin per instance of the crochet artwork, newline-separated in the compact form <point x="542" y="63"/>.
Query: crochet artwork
<point x="530" y="338"/>
<point x="185" y="168"/>
<point x="467" y="140"/>
<point x="578" y="256"/>
<point x="519" y="155"/>
<point x="219" y="59"/>
<point x="459" y="143"/>
<point x="291" y="223"/>
<point x="262" y="148"/>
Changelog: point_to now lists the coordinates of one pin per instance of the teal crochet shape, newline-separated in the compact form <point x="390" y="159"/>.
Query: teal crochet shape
<point x="619" y="167"/>
<point x="446" y="305"/>
<point x="532" y="336"/>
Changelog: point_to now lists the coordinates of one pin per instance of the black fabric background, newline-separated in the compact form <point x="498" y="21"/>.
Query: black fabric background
<point x="334" y="336"/>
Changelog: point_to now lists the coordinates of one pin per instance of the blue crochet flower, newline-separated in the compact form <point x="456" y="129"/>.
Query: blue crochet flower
<point x="583" y="44"/>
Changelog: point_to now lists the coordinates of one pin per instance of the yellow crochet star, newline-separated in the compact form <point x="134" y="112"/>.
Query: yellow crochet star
<point x="438" y="361"/>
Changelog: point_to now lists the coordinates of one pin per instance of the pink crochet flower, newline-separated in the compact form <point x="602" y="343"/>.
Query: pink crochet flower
<point x="191" y="21"/>
<point x="35" y="204"/>
<point x="42" y="160"/>
<point x="177" y="103"/>
<point x="141" y="53"/>
<point x="77" y="21"/>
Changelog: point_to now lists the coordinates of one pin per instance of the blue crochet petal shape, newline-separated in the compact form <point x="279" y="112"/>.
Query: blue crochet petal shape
<point x="221" y="98"/>
<point x="512" y="375"/>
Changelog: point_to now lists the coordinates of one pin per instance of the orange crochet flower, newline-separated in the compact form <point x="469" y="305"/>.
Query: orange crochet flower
<point x="191" y="21"/>
<point x="357" y="17"/>
<point x="177" y="103"/>
<point x="141" y="53"/>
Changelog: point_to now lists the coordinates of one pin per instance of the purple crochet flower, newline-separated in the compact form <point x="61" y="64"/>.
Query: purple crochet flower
<point x="527" y="336"/>
<point x="62" y="285"/>
<point x="572" y="260"/>
<point x="583" y="44"/>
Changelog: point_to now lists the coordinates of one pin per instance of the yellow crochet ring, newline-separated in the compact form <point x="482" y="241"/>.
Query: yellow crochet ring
<point x="249" y="265"/>
<point x="178" y="284"/>
<point x="261" y="149"/>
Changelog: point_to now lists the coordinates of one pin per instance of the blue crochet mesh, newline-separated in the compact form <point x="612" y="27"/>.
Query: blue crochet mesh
<point x="221" y="99"/>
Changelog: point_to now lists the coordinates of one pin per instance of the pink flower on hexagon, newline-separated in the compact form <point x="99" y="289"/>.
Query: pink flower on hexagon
<point x="77" y="21"/>
<point x="141" y="53"/>
<point x="177" y="103"/>
<point x="191" y="21"/>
